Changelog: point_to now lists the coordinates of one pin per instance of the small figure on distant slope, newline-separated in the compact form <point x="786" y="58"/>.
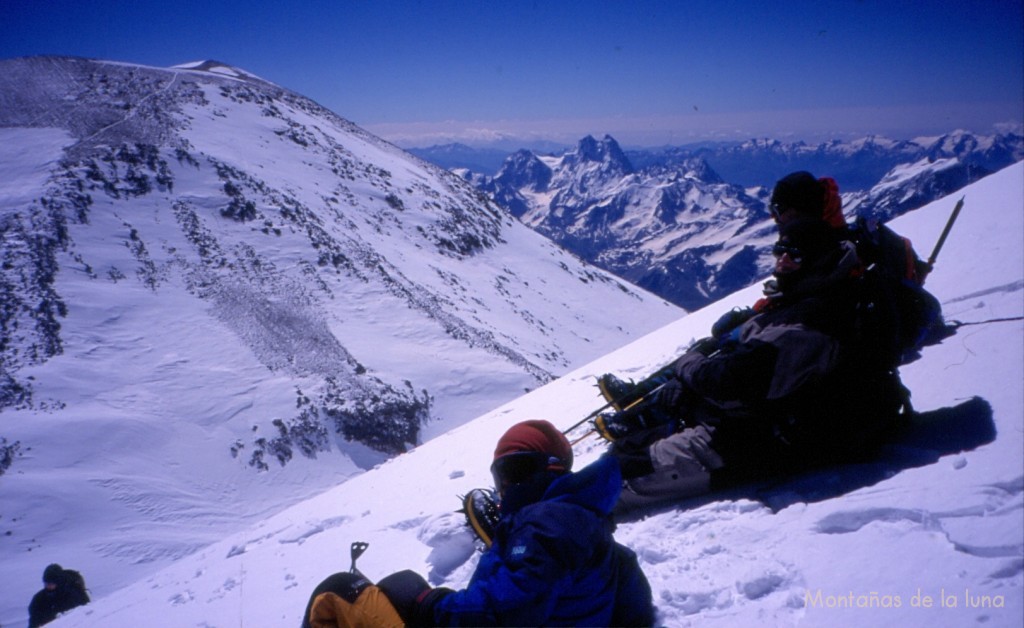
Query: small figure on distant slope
<point x="63" y="590"/>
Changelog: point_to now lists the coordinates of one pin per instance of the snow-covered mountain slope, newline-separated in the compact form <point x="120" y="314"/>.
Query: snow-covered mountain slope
<point x="930" y="535"/>
<point x="219" y="298"/>
<point x="909" y="186"/>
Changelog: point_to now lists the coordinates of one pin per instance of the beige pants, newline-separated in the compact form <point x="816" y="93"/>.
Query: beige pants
<point x="682" y="468"/>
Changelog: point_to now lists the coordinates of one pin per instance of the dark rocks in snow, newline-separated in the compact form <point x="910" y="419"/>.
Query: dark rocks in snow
<point x="8" y="452"/>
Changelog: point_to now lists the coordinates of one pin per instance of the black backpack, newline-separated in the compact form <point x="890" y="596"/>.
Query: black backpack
<point x="897" y="312"/>
<point x="74" y="581"/>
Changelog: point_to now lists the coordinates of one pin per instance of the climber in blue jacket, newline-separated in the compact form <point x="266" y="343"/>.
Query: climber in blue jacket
<point x="552" y="560"/>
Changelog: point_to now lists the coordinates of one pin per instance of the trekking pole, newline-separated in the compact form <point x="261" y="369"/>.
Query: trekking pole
<point x="945" y="233"/>
<point x="576" y="441"/>
<point x="591" y="415"/>
<point x="357" y="549"/>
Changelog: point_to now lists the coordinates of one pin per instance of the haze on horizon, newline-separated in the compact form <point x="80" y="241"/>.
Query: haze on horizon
<point x="650" y="73"/>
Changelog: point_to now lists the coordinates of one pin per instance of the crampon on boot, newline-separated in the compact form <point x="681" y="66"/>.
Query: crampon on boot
<point x="480" y="506"/>
<point x="619" y="393"/>
<point x="622" y="395"/>
<point x="646" y="417"/>
<point x="613" y="426"/>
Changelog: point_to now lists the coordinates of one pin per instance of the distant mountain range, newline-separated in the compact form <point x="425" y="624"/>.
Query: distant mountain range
<point x="858" y="165"/>
<point x="671" y="222"/>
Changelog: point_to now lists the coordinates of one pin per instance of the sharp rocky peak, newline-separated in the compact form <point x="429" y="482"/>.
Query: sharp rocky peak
<point x="606" y="152"/>
<point x="523" y="169"/>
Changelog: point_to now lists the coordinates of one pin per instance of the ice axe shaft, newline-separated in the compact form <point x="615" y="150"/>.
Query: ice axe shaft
<point x="945" y="233"/>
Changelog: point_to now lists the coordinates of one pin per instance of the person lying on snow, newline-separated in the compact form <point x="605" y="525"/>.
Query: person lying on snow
<point x="551" y="558"/>
<point x="804" y="377"/>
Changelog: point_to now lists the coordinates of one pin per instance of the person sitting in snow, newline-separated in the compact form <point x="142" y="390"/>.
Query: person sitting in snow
<point x="916" y="320"/>
<point x="63" y="590"/>
<point x="551" y="560"/>
<point x="797" y="381"/>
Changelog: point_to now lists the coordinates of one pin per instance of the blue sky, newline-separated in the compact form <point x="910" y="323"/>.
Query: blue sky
<point x="645" y="72"/>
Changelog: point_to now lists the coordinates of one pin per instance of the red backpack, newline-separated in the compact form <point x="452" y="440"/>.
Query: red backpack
<point x="833" y="208"/>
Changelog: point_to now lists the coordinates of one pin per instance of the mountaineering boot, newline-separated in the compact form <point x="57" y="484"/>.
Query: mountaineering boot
<point x="620" y="394"/>
<point x="480" y="506"/>
<point x="615" y="425"/>
<point x="615" y="391"/>
<point x="623" y="395"/>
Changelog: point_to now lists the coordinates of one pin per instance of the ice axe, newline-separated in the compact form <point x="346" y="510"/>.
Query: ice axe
<point x="945" y="232"/>
<point x="358" y="547"/>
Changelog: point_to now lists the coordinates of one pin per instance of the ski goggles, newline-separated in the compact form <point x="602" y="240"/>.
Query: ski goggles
<point x="521" y="466"/>
<point x="794" y="253"/>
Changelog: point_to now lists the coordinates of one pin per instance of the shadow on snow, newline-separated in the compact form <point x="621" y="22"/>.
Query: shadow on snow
<point x="923" y="440"/>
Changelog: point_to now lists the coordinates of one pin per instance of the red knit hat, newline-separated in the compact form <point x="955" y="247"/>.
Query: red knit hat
<point x="536" y="435"/>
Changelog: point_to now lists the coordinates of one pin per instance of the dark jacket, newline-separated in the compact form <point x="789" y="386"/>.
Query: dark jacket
<point x="47" y="604"/>
<point x="554" y="563"/>
<point x="797" y="382"/>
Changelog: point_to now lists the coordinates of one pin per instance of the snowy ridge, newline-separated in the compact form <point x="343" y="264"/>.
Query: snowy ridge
<point x="216" y="67"/>
<point x="907" y="187"/>
<point x="931" y="535"/>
